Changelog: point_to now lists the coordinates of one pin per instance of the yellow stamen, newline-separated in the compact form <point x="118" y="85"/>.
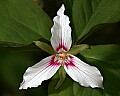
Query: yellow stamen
<point x="62" y="55"/>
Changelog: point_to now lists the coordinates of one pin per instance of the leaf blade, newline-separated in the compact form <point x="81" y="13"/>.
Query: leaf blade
<point x="88" y="14"/>
<point x="23" y="24"/>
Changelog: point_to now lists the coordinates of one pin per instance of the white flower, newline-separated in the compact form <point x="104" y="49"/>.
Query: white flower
<point x="61" y="41"/>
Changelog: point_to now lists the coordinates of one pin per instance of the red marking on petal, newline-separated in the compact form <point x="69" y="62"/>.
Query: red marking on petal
<point x="53" y="62"/>
<point x="70" y="62"/>
<point x="61" y="46"/>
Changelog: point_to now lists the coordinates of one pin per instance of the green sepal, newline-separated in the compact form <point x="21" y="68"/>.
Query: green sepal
<point x="45" y="47"/>
<point x="77" y="48"/>
<point x="62" y="75"/>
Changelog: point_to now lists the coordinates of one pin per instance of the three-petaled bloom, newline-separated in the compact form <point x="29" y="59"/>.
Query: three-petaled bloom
<point x="61" y="41"/>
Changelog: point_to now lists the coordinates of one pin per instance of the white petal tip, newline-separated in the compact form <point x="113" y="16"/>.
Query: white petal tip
<point x="93" y="86"/>
<point x="61" y="10"/>
<point x="25" y="85"/>
<point x="22" y="86"/>
<point x="63" y="7"/>
<point x="98" y="83"/>
<point x="101" y="86"/>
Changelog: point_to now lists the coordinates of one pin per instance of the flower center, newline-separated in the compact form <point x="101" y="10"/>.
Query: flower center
<point x="62" y="55"/>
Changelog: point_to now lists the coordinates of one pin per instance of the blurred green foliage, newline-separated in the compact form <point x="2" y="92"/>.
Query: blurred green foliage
<point x="13" y="63"/>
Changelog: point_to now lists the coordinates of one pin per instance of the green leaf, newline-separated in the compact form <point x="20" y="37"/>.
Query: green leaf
<point x="64" y="90"/>
<point x="13" y="65"/>
<point x="45" y="47"/>
<point x="22" y="21"/>
<point x="71" y="88"/>
<point x="62" y="76"/>
<point x="87" y="14"/>
<point x="77" y="48"/>
<point x="106" y="59"/>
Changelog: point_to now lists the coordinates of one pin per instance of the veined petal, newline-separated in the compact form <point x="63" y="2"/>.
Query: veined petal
<point x="61" y="32"/>
<point x="41" y="71"/>
<point x="83" y="73"/>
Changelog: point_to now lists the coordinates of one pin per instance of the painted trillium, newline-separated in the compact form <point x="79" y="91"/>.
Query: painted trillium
<point x="61" y="41"/>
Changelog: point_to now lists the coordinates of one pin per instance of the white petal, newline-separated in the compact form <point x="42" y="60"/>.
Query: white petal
<point x="41" y="71"/>
<point x="83" y="73"/>
<point x="61" y="32"/>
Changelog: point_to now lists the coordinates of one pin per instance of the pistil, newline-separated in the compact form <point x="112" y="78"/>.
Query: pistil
<point x="62" y="55"/>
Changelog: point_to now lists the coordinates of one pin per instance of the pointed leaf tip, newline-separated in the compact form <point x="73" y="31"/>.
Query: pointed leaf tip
<point x="78" y="48"/>
<point x="45" y="47"/>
